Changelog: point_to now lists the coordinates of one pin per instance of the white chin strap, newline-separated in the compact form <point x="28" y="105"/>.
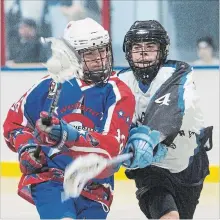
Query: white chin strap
<point x="65" y="62"/>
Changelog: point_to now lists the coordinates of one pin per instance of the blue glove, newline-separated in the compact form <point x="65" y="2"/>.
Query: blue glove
<point x="141" y="143"/>
<point x="57" y="134"/>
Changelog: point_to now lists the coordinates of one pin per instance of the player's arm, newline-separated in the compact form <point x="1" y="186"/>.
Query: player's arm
<point x="178" y="108"/>
<point x="19" y="124"/>
<point x="22" y="115"/>
<point x="111" y="138"/>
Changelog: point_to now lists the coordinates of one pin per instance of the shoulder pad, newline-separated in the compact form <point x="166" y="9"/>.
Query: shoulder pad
<point x="123" y="71"/>
<point x="178" y="65"/>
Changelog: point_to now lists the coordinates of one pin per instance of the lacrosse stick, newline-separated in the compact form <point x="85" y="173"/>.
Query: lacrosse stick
<point x="47" y="121"/>
<point x="85" y="168"/>
<point x="64" y="65"/>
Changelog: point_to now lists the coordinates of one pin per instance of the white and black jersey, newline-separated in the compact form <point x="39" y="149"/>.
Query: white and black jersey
<point x="170" y="105"/>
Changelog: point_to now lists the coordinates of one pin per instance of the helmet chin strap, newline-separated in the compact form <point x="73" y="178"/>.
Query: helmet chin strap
<point x="146" y="75"/>
<point x="98" y="77"/>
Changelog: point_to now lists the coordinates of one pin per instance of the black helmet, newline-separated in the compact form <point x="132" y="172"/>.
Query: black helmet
<point x="146" y="31"/>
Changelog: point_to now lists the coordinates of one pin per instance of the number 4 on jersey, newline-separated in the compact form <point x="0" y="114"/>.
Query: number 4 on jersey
<point x="163" y="100"/>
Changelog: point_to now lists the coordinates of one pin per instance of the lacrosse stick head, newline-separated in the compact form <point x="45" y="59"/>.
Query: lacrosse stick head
<point x="92" y="42"/>
<point x="80" y="171"/>
<point x="65" y="62"/>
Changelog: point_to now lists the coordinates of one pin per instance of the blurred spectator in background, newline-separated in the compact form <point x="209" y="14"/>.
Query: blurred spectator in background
<point x="28" y="48"/>
<point x="62" y="11"/>
<point x="75" y="9"/>
<point x="13" y="17"/>
<point x="54" y="16"/>
<point x="26" y="21"/>
<point x="205" y="52"/>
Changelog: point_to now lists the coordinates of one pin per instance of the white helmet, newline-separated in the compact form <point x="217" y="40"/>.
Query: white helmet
<point x="88" y="35"/>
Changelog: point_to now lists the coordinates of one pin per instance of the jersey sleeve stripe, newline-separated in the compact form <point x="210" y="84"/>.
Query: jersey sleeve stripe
<point x="112" y="107"/>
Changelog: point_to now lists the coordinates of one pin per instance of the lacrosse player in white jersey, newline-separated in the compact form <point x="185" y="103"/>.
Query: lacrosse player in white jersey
<point x="169" y="140"/>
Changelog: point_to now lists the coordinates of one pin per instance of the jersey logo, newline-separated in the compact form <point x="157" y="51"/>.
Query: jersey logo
<point x="163" y="100"/>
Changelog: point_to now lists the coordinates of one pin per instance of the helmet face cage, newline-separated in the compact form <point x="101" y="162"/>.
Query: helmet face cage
<point x="147" y="32"/>
<point x="101" y="74"/>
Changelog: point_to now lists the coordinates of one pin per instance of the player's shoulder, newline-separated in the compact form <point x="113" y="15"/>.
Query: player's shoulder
<point x="125" y="73"/>
<point x="179" y="66"/>
<point x="45" y="80"/>
<point x="42" y="85"/>
<point x="127" y="76"/>
<point x="119" y="85"/>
